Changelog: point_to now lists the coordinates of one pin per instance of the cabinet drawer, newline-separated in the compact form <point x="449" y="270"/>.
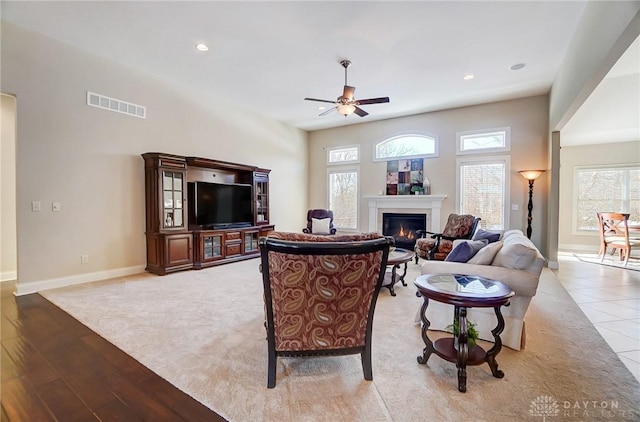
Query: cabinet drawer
<point x="232" y="236"/>
<point x="233" y="249"/>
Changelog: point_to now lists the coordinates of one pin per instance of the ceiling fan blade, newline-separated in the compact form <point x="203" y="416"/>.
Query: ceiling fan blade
<point x="360" y="112"/>
<point x="327" y="111"/>
<point x="348" y="92"/>
<point x="373" y="101"/>
<point x="322" y="101"/>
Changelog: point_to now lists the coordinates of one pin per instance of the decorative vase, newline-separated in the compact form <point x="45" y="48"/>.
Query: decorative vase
<point x="426" y="185"/>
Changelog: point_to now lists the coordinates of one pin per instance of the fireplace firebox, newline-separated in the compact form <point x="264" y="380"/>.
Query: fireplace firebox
<point x="403" y="228"/>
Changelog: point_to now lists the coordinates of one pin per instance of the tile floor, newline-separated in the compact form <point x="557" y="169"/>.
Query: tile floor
<point x="610" y="298"/>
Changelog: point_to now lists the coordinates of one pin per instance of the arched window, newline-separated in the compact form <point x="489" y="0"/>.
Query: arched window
<point x="406" y="146"/>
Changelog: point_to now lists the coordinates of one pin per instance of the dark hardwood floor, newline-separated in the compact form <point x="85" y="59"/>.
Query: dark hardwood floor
<point x="53" y="368"/>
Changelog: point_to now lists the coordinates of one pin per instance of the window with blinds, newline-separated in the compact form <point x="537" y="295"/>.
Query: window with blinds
<point x="610" y="189"/>
<point x="483" y="189"/>
<point x="343" y="197"/>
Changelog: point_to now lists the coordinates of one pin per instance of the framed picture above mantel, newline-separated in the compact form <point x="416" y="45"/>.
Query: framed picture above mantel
<point x="405" y="177"/>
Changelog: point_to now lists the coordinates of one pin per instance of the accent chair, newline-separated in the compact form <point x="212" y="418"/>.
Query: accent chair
<point x="436" y="246"/>
<point x="320" y="294"/>
<point x="319" y="221"/>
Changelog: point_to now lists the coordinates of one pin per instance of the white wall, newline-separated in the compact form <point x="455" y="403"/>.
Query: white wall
<point x="620" y="153"/>
<point x="88" y="159"/>
<point x="528" y="119"/>
<point x="604" y="33"/>
<point x="8" y="253"/>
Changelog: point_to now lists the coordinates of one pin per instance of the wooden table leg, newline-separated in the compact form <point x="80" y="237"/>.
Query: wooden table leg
<point x="428" y="350"/>
<point x="463" y="348"/>
<point x="497" y="345"/>
<point x="403" y="274"/>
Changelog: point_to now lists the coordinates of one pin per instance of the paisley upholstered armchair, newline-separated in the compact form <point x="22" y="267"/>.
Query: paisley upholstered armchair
<point x="320" y="294"/>
<point x="436" y="246"/>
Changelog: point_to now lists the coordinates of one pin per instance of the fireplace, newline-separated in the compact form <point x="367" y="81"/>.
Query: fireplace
<point x="403" y="228"/>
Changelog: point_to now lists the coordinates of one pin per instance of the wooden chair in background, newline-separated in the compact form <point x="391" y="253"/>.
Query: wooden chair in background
<point x="614" y="232"/>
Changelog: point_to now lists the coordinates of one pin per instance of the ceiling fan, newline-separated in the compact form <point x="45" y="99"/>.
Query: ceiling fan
<point x="346" y="104"/>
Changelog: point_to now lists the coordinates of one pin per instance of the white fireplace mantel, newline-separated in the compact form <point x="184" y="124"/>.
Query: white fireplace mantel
<point x="430" y="204"/>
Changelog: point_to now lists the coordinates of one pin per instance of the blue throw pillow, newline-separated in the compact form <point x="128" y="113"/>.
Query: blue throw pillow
<point x="465" y="250"/>
<point x="486" y="234"/>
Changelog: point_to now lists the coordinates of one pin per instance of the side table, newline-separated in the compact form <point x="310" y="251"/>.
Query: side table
<point x="463" y="291"/>
<point x="396" y="258"/>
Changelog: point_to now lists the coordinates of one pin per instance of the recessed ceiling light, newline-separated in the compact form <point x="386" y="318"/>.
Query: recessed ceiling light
<point x="468" y="77"/>
<point x="202" y="47"/>
<point x="517" y="66"/>
<point x="321" y="108"/>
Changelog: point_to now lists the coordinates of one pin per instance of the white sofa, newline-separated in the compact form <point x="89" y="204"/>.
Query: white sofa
<point x="517" y="263"/>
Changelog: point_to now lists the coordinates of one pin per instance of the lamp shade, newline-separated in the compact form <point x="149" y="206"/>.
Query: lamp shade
<point x="346" y="109"/>
<point x="531" y="174"/>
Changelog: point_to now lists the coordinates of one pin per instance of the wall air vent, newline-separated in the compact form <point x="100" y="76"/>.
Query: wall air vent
<point x="112" y="104"/>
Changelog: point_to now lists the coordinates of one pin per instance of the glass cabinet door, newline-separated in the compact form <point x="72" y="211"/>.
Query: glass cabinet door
<point x="250" y="241"/>
<point x="212" y="247"/>
<point x="172" y="190"/>
<point x="262" y="201"/>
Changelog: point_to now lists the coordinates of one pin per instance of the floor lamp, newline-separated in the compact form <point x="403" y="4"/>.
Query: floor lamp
<point x="530" y="175"/>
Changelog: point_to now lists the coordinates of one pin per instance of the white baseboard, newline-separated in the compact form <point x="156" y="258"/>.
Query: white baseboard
<point x="54" y="283"/>
<point x="565" y="247"/>
<point x="8" y="276"/>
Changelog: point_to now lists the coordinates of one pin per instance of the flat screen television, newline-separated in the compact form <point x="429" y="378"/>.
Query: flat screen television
<point x="223" y="205"/>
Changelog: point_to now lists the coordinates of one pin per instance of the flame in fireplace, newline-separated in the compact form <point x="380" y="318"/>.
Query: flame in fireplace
<point x="409" y="235"/>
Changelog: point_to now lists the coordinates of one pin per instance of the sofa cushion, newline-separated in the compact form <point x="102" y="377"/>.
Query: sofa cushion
<point x="491" y="236"/>
<point x="486" y="255"/>
<point x="517" y="252"/>
<point x="463" y="250"/>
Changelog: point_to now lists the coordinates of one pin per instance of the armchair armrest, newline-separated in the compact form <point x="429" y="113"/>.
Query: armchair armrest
<point x="332" y="230"/>
<point x="423" y="233"/>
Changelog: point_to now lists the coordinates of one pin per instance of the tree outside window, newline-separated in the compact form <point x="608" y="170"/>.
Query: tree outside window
<point x="343" y="197"/>
<point x="606" y="190"/>
<point x="483" y="191"/>
<point x="406" y="146"/>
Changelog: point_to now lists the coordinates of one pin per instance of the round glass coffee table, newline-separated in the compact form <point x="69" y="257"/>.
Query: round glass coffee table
<point x="397" y="257"/>
<point x="463" y="291"/>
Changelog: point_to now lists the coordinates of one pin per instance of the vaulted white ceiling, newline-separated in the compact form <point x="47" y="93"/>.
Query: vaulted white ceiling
<point x="267" y="56"/>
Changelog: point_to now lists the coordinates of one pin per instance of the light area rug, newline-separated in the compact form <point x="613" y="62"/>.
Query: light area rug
<point x="610" y="260"/>
<point x="203" y="331"/>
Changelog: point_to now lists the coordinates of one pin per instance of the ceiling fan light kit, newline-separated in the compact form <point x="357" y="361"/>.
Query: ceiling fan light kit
<point x="346" y="104"/>
<point x="346" y="109"/>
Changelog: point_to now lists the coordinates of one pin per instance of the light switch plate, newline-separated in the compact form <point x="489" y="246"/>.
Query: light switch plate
<point x="56" y="207"/>
<point x="36" y="206"/>
<point x="514" y="207"/>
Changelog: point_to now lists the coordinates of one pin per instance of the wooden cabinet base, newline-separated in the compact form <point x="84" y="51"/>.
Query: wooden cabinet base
<point x="167" y="253"/>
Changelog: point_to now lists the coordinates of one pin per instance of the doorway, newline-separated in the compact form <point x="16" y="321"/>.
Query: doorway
<point x="8" y="234"/>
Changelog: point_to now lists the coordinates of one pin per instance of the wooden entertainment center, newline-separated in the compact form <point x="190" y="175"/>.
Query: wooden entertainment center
<point x="174" y="241"/>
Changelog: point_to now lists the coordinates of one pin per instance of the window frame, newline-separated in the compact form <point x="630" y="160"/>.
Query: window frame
<point x="342" y="163"/>
<point x="345" y="169"/>
<point x="430" y="136"/>
<point x="489" y="131"/>
<point x="574" y="201"/>
<point x="488" y="159"/>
